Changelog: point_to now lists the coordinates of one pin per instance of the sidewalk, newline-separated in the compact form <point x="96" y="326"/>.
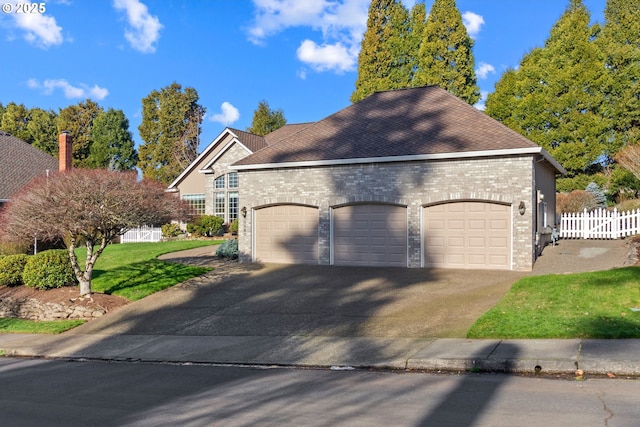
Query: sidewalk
<point x="594" y="357"/>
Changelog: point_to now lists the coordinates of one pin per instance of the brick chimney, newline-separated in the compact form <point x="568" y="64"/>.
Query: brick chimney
<point x="65" y="150"/>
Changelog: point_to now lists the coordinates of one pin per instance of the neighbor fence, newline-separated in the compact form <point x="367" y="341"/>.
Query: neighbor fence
<point x="600" y="224"/>
<point x="142" y="234"/>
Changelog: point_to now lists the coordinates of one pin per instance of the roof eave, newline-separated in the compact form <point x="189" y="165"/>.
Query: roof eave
<point x="408" y="158"/>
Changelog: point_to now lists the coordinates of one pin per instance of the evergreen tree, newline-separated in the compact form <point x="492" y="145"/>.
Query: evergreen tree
<point x="446" y="56"/>
<point x="265" y="120"/>
<point x="78" y="120"/>
<point x="555" y="97"/>
<point x="170" y="129"/>
<point x="42" y="130"/>
<point x="14" y="121"/>
<point x="620" y="43"/>
<point x="383" y="60"/>
<point x="113" y="146"/>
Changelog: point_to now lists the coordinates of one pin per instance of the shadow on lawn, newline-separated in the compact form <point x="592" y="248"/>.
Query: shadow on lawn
<point x="137" y="280"/>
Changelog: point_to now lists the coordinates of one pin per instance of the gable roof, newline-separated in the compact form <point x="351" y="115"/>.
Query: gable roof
<point x="20" y="163"/>
<point x="396" y="125"/>
<point x="250" y="141"/>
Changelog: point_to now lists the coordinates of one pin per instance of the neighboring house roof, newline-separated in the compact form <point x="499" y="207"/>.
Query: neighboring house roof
<point x="396" y="125"/>
<point x="20" y="163"/>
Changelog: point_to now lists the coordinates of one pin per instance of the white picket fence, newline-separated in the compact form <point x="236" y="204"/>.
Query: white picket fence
<point x="142" y="234"/>
<point x="600" y="224"/>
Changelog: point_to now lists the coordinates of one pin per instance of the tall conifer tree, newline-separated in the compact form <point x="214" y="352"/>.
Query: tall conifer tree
<point x="554" y="98"/>
<point x="265" y="120"/>
<point x="382" y="62"/>
<point x="620" y="44"/>
<point x="446" y="55"/>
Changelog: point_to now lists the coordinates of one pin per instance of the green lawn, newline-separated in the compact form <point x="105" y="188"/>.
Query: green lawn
<point x="21" y="326"/>
<point x="585" y="305"/>
<point x="131" y="270"/>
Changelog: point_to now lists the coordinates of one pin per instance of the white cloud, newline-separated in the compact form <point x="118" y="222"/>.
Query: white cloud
<point x="341" y="22"/>
<point x="145" y="28"/>
<point x="484" y="69"/>
<point x="71" y="92"/>
<point x="480" y="105"/>
<point x="472" y="22"/>
<point x="40" y="29"/>
<point x="229" y="114"/>
<point x="326" y="57"/>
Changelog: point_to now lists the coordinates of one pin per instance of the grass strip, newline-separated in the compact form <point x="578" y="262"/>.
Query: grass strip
<point x="22" y="326"/>
<point x="586" y="305"/>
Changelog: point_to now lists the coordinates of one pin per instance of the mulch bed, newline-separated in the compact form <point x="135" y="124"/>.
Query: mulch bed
<point x="65" y="295"/>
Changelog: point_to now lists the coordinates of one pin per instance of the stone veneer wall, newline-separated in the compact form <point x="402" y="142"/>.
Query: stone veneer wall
<point x="32" y="309"/>
<point x="416" y="184"/>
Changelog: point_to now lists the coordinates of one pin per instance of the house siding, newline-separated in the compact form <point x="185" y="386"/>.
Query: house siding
<point x="505" y="180"/>
<point x="234" y="153"/>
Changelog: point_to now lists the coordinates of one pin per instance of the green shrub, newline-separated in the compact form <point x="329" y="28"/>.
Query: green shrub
<point x="233" y="228"/>
<point x="11" y="268"/>
<point x="49" y="269"/>
<point x="206" y="225"/>
<point x="228" y="249"/>
<point x="171" y="230"/>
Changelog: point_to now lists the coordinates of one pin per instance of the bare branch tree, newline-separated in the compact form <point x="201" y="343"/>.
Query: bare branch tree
<point x="629" y="158"/>
<point x="90" y="207"/>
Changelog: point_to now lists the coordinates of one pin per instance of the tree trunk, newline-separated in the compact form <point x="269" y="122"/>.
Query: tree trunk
<point x="85" y="286"/>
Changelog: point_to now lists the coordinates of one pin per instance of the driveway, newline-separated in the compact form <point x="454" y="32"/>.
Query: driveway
<point x="285" y="300"/>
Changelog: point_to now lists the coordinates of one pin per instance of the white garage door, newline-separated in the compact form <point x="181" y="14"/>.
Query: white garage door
<point x="467" y="235"/>
<point x="370" y="235"/>
<point x="287" y="234"/>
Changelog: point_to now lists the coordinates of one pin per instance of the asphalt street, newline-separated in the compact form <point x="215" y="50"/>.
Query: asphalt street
<point x="63" y="393"/>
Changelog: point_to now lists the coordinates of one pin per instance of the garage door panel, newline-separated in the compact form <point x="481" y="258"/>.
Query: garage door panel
<point x="467" y="235"/>
<point x="287" y="234"/>
<point x="370" y="235"/>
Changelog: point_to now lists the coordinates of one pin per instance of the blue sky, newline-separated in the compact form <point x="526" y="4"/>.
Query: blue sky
<point x="298" y="55"/>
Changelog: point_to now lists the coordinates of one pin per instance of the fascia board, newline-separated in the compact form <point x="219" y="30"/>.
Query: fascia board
<point x="202" y="155"/>
<point x="439" y="156"/>
<point x="234" y="140"/>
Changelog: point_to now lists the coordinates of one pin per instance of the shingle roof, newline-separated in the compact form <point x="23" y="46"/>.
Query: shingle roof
<point x="252" y="141"/>
<point x="20" y="163"/>
<point x="284" y="132"/>
<point x="403" y="122"/>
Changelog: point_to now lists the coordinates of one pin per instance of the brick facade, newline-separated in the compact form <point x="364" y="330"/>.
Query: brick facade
<point x="504" y="180"/>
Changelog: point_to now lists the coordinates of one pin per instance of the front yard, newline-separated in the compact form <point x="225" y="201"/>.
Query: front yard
<point x="126" y="272"/>
<point x="603" y="304"/>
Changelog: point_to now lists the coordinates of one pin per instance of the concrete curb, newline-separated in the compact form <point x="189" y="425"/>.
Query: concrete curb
<point x="598" y="357"/>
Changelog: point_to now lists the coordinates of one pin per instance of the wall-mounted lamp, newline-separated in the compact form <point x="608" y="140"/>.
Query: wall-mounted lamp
<point x="522" y="208"/>
<point x="244" y="211"/>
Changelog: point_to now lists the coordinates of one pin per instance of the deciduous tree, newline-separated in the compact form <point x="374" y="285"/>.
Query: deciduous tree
<point x="92" y="206"/>
<point x="446" y="53"/>
<point x="78" y="120"/>
<point x="170" y="129"/>
<point x="265" y="120"/>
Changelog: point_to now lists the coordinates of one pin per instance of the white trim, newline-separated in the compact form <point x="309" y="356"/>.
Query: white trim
<point x="331" y="237"/>
<point x="202" y="155"/>
<point x="389" y="159"/>
<point x="234" y="140"/>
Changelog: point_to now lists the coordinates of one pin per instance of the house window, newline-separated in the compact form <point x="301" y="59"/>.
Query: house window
<point x="233" y="180"/>
<point x="219" y="205"/>
<point x="233" y="205"/>
<point x="196" y="201"/>
<point x="219" y="182"/>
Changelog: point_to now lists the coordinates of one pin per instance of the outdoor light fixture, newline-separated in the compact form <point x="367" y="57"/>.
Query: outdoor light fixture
<point x="521" y="208"/>
<point x="244" y="211"/>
